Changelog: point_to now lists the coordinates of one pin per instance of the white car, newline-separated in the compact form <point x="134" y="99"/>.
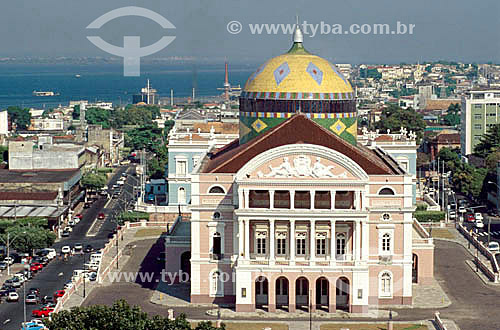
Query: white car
<point x="462" y="209"/>
<point x="13" y="296"/>
<point x="478" y="216"/>
<point x="494" y="247"/>
<point x="453" y="215"/>
<point x="68" y="229"/>
<point x="71" y="223"/>
<point x="20" y="276"/>
<point x="76" y="220"/>
<point x="66" y="249"/>
<point x="120" y="182"/>
<point x="479" y="224"/>
<point x="9" y="260"/>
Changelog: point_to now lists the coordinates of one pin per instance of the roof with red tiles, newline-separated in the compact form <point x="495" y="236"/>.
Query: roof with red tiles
<point x="297" y="129"/>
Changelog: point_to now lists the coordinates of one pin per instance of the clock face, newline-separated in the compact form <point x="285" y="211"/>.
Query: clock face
<point x="386" y="216"/>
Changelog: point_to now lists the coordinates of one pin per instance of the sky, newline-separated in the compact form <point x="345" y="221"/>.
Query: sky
<point x="458" y="30"/>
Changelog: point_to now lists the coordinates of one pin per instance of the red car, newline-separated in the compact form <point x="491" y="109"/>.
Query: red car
<point x="58" y="294"/>
<point x="101" y="216"/>
<point x="42" y="312"/>
<point x="79" y="216"/>
<point x="470" y="218"/>
<point x="36" y="266"/>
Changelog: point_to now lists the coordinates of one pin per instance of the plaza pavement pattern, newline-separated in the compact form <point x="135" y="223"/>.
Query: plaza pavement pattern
<point x="470" y="302"/>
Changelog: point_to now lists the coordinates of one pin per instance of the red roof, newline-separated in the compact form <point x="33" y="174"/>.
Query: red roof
<point x="28" y="196"/>
<point x="297" y="129"/>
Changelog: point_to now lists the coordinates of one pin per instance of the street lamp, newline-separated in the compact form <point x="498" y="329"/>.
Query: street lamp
<point x="8" y="243"/>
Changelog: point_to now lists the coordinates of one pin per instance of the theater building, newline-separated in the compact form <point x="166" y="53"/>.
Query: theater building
<point x="295" y="214"/>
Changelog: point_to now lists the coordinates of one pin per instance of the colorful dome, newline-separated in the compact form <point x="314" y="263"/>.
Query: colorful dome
<point x="299" y="72"/>
<point x="297" y="82"/>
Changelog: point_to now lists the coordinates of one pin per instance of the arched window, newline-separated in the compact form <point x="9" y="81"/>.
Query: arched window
<point x="216" y="190"/>
<point x="386" y="191"/>
<point x="217" y="245"/>
<point x="386" y="243"/>
<point x="216" y="285"/>
<point x="385" y="285"/>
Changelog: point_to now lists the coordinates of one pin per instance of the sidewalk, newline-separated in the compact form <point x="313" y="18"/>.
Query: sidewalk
<point x="460" y="239"/>
<point x="125" y="247"/>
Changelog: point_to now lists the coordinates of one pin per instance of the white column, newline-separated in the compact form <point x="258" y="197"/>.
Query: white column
<point x="312" y="240"/>
<point x="333" y="240"/>
<point x="271" y="199"/>
<point x="292" y="240"/>
<point x="292" y="199"/>
<point x="247" y="198"/>
<point x="358" y="240"/>
<point x="356" y="200"/>
<point x="332" y="199"/>
<point x="312" y="193"/>
<point x="241" y="236"/>
<point x="247" y="238"/>
<point x="365" y="241"/>
<point x="271" y="240"/>
<point x="241" y="199"/>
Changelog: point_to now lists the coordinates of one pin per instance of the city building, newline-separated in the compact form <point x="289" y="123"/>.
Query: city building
<point x="186" y="145"/>
<point x="47" y="124"/>
<point x="110" y="141"/>
<point x="480" y="111"/>
<point x="4" y="123"/>
<point x="296" y="212"/>
<point x="28" y="155"/>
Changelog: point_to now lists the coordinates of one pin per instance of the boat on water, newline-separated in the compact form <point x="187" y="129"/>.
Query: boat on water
<point x="77" y="76"/>
<point x="42" y="93"/>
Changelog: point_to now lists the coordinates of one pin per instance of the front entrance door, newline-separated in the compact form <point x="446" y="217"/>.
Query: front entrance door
<point x="261" y="291"/>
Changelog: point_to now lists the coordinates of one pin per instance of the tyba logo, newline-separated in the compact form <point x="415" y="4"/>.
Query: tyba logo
<point x="131" y="50"/>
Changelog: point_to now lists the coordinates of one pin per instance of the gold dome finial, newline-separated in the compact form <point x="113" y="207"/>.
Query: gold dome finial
<point x="298" y="38"/>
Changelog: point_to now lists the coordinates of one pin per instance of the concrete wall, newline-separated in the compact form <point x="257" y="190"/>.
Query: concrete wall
<point x="24" y="155"/>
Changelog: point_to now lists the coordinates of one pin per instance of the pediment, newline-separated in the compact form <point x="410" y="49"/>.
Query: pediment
<point x="302" y="162"/>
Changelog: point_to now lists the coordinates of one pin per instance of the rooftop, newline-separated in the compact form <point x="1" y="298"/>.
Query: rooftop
<point x="54" y="176"/>
<point x="297" y="129"/>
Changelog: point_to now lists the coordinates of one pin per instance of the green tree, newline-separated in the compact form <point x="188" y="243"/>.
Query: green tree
<point x="21" y="117"/>
<point x="118" y="316"/>
<point x="98" y="116"/>
<point x="489" y="142"/>
<point x="93" y="181"/>
<point x="394" y="117"/>
<point x="29" y="238"/>
<point x="76" y="112"/>
<point x="452" y="118"/>
<point x="4" y="154"/>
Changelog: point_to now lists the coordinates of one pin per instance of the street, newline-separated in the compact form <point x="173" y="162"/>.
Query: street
<point x="58" y="272"/>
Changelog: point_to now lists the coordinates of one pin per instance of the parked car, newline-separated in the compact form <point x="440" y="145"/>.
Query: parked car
<point x="13" y="296"/>
<point x="494" y="247"/>
<point x="42" y="312"/>
<point x="78" y="247"/>
<point x="89" y="248"/>
<point x="68" y="285"/>
<point x="470" y="218"/>
<point x="453" y="215"/>
<point x="479" y="224"/>
<point x="35" y="291"/>
<point x="93" y="276"/>
<point x="68" y="229"/>
<point x="32" y="299"/>
<point x="76" y="220"/>
<point x="9" y="260"/>
<point x="87" y="205"/>
<point x="16" y="283"/>
<point x="79" y="215"/>
<point x="65" y="233"/>
<point x="478" y="216"/>
<point x="462" y="209"/>
<point x="65" y="249"/>
<point x="3" y="265"/>
<point x="71" y="223"/>
<point x="48" y="300"/>
<point x="58" y="294"/>
<point x="120" y="182"/>
<point x="101" y="216"/>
